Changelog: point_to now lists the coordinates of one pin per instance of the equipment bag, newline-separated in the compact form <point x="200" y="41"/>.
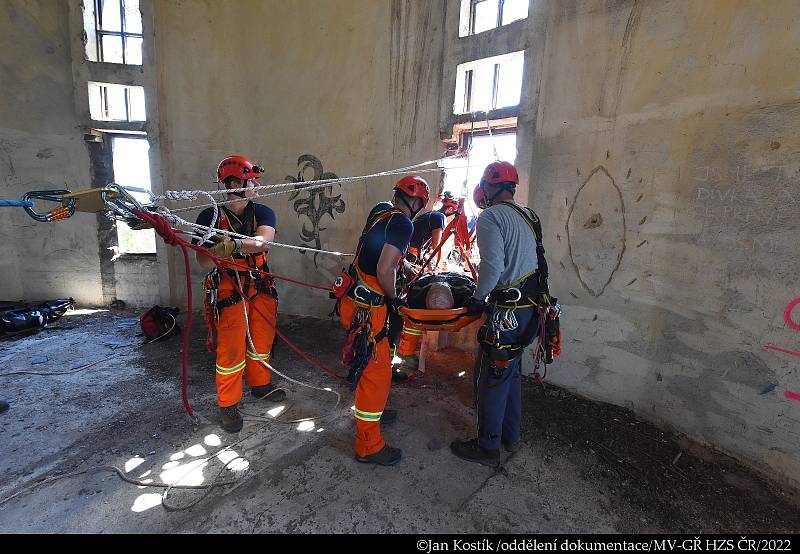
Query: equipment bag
<point x="159" y="322"/>
<point x="26" y="319"/>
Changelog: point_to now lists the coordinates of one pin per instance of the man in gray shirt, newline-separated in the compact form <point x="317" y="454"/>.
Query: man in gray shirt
<point x="508" y="236"/>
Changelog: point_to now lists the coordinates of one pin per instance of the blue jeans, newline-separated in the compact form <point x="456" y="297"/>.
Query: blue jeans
<point x="498" y="394"/>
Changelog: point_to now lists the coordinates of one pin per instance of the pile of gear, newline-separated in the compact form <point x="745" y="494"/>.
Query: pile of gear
<point x="21" y="318"/>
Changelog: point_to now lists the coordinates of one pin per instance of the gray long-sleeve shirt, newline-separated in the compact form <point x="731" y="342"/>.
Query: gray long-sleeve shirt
<point x="507" y="248"/>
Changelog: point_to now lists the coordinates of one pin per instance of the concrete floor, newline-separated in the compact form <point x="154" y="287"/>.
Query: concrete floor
<point x="295" y="477"/>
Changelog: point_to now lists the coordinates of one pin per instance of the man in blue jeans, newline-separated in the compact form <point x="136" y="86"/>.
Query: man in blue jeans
<point x="509" y="239"/>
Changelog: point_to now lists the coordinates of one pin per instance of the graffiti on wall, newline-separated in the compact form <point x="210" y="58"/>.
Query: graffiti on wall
<point x="314" y="203"/>
<point x="793" y="324"/>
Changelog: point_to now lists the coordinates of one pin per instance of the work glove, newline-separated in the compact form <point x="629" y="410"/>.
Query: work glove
<point x="474" y="306"/>
<point x="226" y="248"/>
<point x="394" y="321"/>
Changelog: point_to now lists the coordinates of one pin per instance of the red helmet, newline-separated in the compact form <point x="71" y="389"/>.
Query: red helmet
<point x="449" y="204"/>
<point x="239" y="167"/>
<point x="497" y="173"/>
<point x="479" y="197"/>
<point x="415" y="187"/>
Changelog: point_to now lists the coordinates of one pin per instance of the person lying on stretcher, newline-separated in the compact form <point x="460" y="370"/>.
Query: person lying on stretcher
<point x="434" y="291"/>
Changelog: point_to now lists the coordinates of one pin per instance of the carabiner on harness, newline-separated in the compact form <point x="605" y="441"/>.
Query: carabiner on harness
<point x="519" y="295"/>
<point x="504" y="320"/>
<point x="359" y="297"/>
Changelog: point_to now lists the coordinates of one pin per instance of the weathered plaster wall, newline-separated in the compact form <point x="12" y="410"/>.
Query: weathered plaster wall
<point x="354" y="83"/>
<point x="664" y="163"/>
<point x="41" y="147"/>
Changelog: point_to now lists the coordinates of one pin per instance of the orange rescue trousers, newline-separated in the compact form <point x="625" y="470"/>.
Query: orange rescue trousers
<point x="372" y="390"/>
<point x="409" y="340"/>
<point x="234" y="353"/>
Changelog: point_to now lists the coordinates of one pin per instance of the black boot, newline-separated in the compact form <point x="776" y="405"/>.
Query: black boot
<point x="398" y="376"/>
<point x="387" y="456"/>
<point x="473" y="452"/>
<point x="269" y="392"/>
<point x="231" y="419"/>
<point x="511" y="446"/>
<point x="388" y="417"/>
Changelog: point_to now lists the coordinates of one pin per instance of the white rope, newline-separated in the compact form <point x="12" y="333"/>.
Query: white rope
<point x="298" y="189"/>
<point x="191" y="195"/>
<point x="491" y="137"/>
<point x="322" y="182"/>
<point x="175" y="221"/>
<point x="208" y="231"/>
<point x="268" y="365"/>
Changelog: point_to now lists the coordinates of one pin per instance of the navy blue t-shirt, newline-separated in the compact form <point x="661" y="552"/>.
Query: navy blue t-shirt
<point x="395" y="230"/>
<point x="248" y="221"/>
<point x="424" y="225"/>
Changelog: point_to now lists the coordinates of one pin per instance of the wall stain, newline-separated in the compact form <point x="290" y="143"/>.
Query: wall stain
<point x="627" y="46"/>
<point x="408" y="77"/>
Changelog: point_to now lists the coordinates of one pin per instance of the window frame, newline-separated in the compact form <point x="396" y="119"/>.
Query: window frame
<point x="100" y="33"/>
<point x="111" y="136"/>
<point x="498" y="19"/>
<point x="104" y="102"/>
<point x="465" y="106"/>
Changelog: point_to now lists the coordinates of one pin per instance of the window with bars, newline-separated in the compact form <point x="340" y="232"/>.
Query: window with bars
<point x="113" y="31"/>
<point x="110" y="102"/>
<point x="478" y="16"/>
<point x="489" y="83"/>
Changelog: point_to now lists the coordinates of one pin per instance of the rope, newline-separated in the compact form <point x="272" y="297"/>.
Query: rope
<point x="169" y="235"/>
<point x="302" y="188"/>
<point x="169" y="487"/>
<point x="320" y="182"/>
<point x="245" y="301"/>
<point x="191" y="195"/>
<point x="175" y="220"/>
<point x="15" y="203"/>
<point x="491" y="137"/>
<point x="87" y="366"/>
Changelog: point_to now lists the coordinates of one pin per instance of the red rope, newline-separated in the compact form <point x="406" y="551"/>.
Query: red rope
<point x="170" y="236"/>
<point x="232" y="264"/>
<point x="166" y="232"/>
<point x="283" y="337"/>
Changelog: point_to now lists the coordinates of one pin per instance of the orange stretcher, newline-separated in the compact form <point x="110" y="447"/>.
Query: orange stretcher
<point x="453" y="319"/>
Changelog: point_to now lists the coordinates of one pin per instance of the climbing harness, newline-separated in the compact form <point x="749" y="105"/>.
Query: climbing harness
<point x="530" y="291"/>
<point x="361" y="344"/>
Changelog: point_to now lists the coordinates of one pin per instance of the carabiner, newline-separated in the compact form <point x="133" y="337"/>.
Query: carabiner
<point x="67" y="208"/>
<point x="519" y="294"/>
<point x="357" y="296"/>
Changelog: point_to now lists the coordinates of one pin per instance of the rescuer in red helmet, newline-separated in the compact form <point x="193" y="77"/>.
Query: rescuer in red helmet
<point x="369" y="310"/>
<point x="236" y="356"/>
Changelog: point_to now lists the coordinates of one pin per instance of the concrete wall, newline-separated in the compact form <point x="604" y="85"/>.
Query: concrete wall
<point x="354" y="83"/>
<point x="41" y="147"/>
<point x="664" y="163"/>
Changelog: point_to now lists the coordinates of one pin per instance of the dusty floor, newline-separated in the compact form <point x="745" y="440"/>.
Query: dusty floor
<point x="583" y="466"/>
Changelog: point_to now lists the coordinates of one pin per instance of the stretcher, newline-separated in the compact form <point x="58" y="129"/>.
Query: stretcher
<point x="453" y="319"/>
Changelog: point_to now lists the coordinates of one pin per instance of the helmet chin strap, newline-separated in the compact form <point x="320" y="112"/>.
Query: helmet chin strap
<point x="410" y="209"/>
<point x="241" y="193"/>
<point x="490" y="201"/>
